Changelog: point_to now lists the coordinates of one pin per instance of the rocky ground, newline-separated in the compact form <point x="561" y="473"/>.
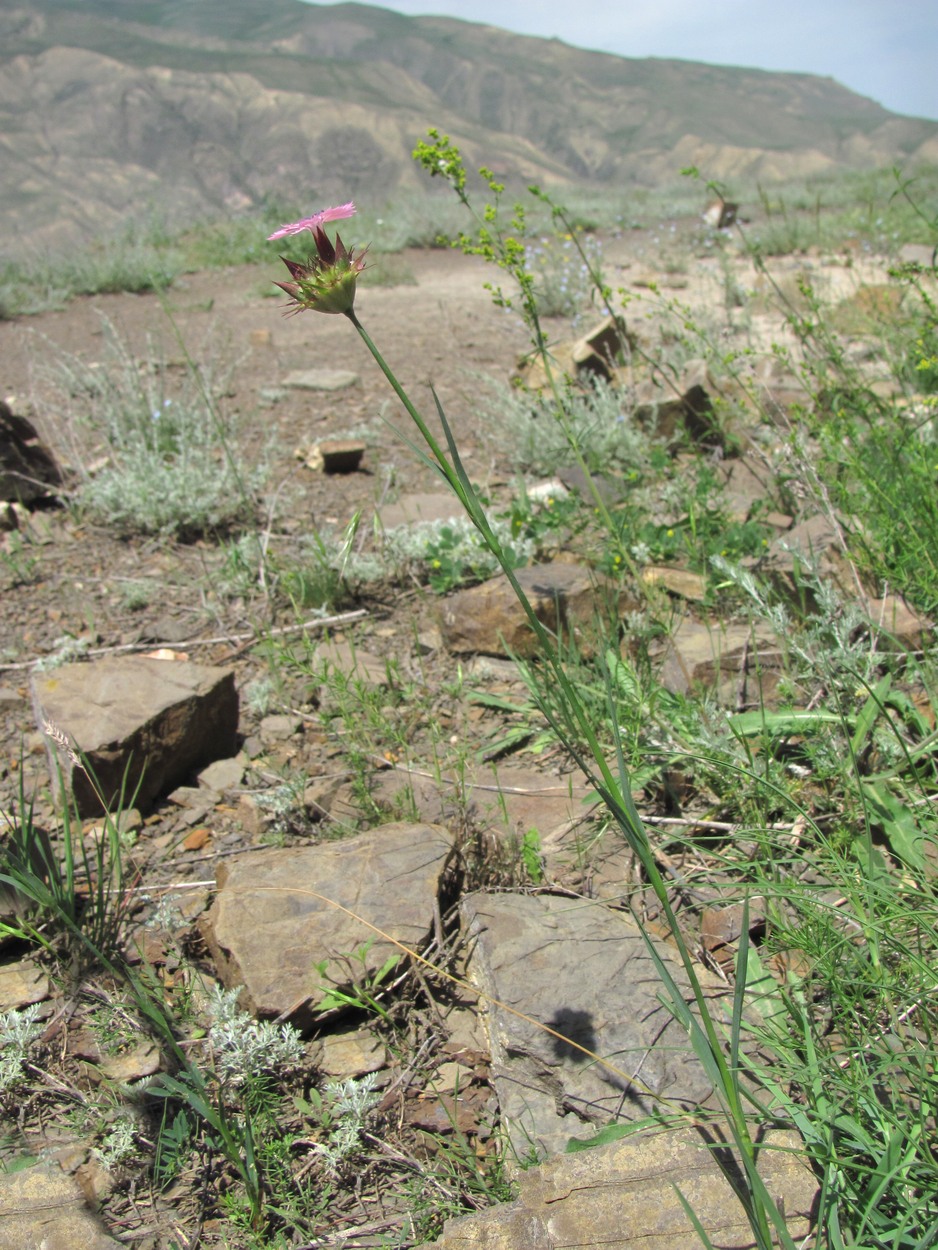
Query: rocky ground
<point x="280" y="789"/>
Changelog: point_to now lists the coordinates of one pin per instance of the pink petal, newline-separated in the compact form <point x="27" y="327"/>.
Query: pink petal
<point x="312" y="223"/>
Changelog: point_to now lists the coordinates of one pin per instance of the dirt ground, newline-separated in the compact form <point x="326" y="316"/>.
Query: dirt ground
<point x="441" y="331"/>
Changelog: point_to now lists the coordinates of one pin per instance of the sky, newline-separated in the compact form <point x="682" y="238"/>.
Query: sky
<point x="884" y="49"/>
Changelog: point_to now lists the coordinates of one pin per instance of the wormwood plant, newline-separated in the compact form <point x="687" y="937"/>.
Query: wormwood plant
<point x="169" y="460"/>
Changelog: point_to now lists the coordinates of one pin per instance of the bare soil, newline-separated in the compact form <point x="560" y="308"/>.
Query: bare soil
<point x="441" y="335"/>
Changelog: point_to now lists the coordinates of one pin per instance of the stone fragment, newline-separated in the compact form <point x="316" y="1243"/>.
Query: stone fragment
<point x="918" y="254"/>
<point x="279" y="726"/>
<point x="777" y="390"/>
<point x="32" y="854"/>
<point x="813" y="547"/>
<point x="680" y="582"/>
<point x="341" y="455"/>
<point x="223" y="775"/>
<point x="743" y="665"/>
<point x="321" y="379"/>
<point x="746" y="482"/>
<point x="894" y="616"/>
<point x="683" y="408"/>
<point x="488" y="618"/>
<point x="597" y="354"/>
<point x="352" y="662"/>
<point x="351" y="1055"/>
<point x="624" y="1196"/>
<point x="585" y="972"/>
<point x="127" y="1063"/>
<point x="720" y="214"/>
<point x="22" y="983"/>
<point x="42" y="1207"/>
<point x="411" y="509"/>
<point x="601" y="350"/>
<point x="142" y="725"/>
<point x="28" y="470"/>
<point x="333" y="456"/>
<point x="505" y="800"/>
<point x="280" y="913"/>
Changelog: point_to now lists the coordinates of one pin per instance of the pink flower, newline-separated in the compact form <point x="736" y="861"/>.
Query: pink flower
<point x="313" y="223"/>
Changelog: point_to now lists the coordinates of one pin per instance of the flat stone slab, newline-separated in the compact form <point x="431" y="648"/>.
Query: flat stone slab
<point x="42" y="1206"/>
<point x="281" y="912"/>
<point x="741" y="663"/>
<point x="22" y="983"/>
<point x="622" y="1196"/>
<point x="321" y="379"/>
<point x="585" y="972"/>
<point x="489" y="619"/>
<point x="412" y="509"/>
<point x="142" y="724"/>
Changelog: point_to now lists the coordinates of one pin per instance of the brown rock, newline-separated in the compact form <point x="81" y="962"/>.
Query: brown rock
<point x="720" y="214"/>
<point x="143" y="725"/>
<point x="489" y="618"/>
<point x="341" y="455"/>
<point x="680" y="582"/>
<point x="812" y="546"/>
<point x="281" y="912"/>
<point x="742" y="664"/>
<point x="623" y="1196"/>
<point x="22" y="983"/>
<point x="683" y="407"/>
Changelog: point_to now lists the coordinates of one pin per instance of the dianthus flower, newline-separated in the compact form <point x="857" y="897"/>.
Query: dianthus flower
<point x="326" y="282"/>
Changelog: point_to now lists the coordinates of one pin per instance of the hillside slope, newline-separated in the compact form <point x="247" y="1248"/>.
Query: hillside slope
<point x="110" y="106"/>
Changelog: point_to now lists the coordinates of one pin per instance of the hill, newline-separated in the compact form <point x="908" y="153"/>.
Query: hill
<point x="109" y="107"/>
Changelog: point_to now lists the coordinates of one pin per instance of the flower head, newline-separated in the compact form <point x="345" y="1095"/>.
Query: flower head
<point x="326" y="282"/>
<point x="313" y="223"/>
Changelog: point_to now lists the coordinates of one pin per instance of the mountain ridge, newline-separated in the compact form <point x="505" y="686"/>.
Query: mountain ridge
<point x="216" y="106"/>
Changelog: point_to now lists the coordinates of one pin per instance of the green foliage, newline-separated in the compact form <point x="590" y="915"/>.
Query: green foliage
<point x="65" y="892"/>
<point x="19" y="560"/>
<point x="448" y="554"/>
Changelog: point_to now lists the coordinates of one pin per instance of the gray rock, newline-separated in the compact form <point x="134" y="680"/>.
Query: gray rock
<point x="223" y="775"/>
<point x="411" y="509"/>
<point x="489" y="619"/>
<point x="42" y="1207"/>
<point x="321" y="379"/>
<point x="623" y="1196"/>
<point x="281" y="912"/>
<point x="585" y="972"/>
<point x="141" y="724"/>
